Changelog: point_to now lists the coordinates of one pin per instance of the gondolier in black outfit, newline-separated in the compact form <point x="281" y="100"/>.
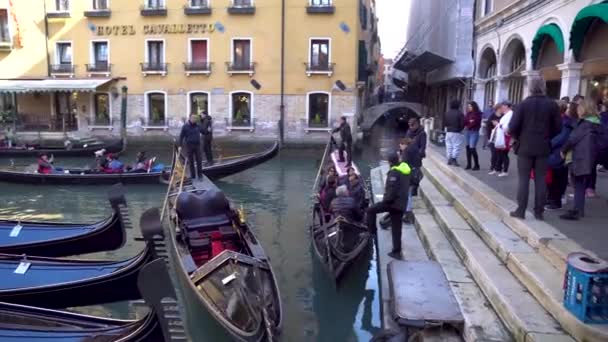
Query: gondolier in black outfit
<point x="394" y="201"/>
<point x="191" y="136"/>
<point x="346" y="143"/>
<point x="207" y="130"/>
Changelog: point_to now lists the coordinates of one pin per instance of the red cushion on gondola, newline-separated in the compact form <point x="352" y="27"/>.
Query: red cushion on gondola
<point x="217" y="246"/>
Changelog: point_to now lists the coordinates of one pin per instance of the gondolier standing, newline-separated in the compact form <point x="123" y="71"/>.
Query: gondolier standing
<point x="207" y="130"/>
<point x="394" y="201"/>
<point x="346" y="143"/>
<point x="191" y="135"/>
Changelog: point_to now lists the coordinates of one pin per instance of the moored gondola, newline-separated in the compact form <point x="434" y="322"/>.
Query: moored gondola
<point x="78" y="149"/>
<point x="51" y="239"/>
<point x="222" y="168"/>
<point x="220" y="264"/>
<point x="337" y="241"/>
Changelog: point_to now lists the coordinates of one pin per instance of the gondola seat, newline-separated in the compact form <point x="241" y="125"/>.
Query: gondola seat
<point x="205" y="211"/>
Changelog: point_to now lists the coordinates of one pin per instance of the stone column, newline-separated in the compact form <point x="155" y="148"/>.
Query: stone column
<point x="571" y="78"/>
<point x="502" y="89"/>
<point x="528" y="74"/>
<point x="479" y="93"/>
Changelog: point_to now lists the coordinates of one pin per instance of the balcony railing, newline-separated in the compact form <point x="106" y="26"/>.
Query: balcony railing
<point x="204" y="9"/>
<point x="58" y="14"/>
<point x="153" y="11"/>
<point x="317" y="7"/>
<point x="319" y="68"/>
<point x="240" y="68"/>
<point x="197" y="68"/>
<point x="99" y="68"/>
<point x="98" y="13"/>
<point x="241" y="7"/>
<point x="62" y="69"/>
<point x="154" y="68"/>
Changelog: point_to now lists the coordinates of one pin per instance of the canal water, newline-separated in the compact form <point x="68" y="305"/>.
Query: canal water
<point x="276" y="196"/>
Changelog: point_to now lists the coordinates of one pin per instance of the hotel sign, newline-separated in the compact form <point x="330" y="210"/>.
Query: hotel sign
<point x="129" y="30"/>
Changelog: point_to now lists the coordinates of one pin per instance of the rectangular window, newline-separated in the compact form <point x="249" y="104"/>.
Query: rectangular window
<point x="102" y="109"/>
<point x="155" y="54"/>
<point x="62" y="5"/>
<point x="4" y="33"/>
<point x="156" y="109"/>
<point x="242" y="3"/>
<point x="318" y="110"/>
<point x="319" y="54"/>
<point x="320" y="3"/>
<point x="198" y="51"/>
<point x="241" y="54"/>
<point x="64" y="53"/>
<point x="100" y="4"/>
<point x="100" y="53"/>
<point x="241" y="110"/>
<point x="155" y="4"/>
<point x="199" y="103"/>
<point x="487" y="7"/>
<point x="199" y="3"/>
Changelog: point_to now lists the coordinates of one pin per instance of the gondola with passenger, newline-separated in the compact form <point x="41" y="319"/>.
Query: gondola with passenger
<point x="154" y="175"/>
<point x="220" y="263"/>
<point x="338" y="233"/>
<point x="50" y="239"/>
<point x="81" y="148"/>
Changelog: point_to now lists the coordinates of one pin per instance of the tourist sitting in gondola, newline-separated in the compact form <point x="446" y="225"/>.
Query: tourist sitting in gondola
<point x="331" y="172"/>
<point x="356" y="191"/>
<point x="344" y="180"/>
<point x="113" y="165"/>
<point x="45" y="164"/>
<point x="328" y="193"/>
<point x="345" y="205"/>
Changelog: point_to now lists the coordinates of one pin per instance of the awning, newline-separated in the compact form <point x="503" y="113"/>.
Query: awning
<point x="51" y="85"/>
<point x="545" y="31"/>
<point x="583" y="21"/>
<point x="426" y="61"/>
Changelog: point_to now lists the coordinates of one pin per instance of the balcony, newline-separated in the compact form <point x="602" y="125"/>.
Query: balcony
<point x="62" y="70"/>
<point x="154" y="69"/>
<point x="240" y="68"/>
<point x="98" y="13"/>
<point x="58" y="14"/>
<point x="100" y="68"/>
<point x="193" y="68"/>
<point x="5" y="44"/>
<point x="241" y="7"/>
<point x="197" y="10"/>
<point x="319" y="69"/>
<point x="155" y="11"/>
<point x="317" y="7"/>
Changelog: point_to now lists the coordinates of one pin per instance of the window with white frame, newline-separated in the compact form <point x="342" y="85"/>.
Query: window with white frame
<point x="199" y="3"/>
<point x="155" y="53"/>
<point x="241" y="109"/>
<point x="487" y="7"/>
<point x="64" y="53"/>
<point x="155" y="4"/>
<point x="156" y="105"/>
<point x="100" y="4"/>
<point x="199" y="102"/>
<point x="199" y="51"/>
<point x="320" y="3"/>
<point x="318" y="110"/>
<point x="4" y="32"/>
<point x="241" y="54"/>
<point x="319" y="54"/>
<point x="62" y="5"/>
<point x="100" y="55"/>
<point x="101" y="107"/>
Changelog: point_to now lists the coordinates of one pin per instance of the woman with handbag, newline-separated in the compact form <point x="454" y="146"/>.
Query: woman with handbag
<point x="502" y="140"/>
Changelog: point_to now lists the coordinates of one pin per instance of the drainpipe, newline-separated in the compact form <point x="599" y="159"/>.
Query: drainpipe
<point x="282" y="106"/>
<point x="123" y="117"/>
<point x="46" y="40"/>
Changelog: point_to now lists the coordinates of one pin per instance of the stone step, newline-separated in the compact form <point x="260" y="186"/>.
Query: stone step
<point x="540" y="277"/>
<point x="481" y="321"/>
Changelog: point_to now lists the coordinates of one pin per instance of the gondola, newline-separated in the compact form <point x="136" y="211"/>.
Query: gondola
<point x="221" y="168"/>
<point x="60" y="283"/>
<point x="19" y="323"/>
<point x="219" y="262"/>
<point x="337" y="241"/>
<point x="50" y="239"/>
<point x="81" y="149"/>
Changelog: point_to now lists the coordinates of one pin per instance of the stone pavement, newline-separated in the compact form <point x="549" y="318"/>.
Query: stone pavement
<point x="591" y="232"/>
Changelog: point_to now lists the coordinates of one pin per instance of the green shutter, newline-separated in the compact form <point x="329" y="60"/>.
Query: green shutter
<point x="552" y="31"/>
<point x="583" y="21"/>
<point x="362" y="61"/>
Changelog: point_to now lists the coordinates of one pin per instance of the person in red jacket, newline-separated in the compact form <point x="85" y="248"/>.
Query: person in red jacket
<point x="472" y="125"/>
<point x="45" y="164"/>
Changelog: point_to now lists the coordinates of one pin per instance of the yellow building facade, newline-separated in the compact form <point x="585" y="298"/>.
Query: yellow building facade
<point x="64" y="65"/>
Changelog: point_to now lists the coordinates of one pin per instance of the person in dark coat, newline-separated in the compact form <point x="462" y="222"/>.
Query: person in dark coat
<point x="393" y="202"/>
<point x="472" y="124"/>
<point x="329" y="192"/>
<point x="207" y="131"/>
<point x="345" y="205"/>
<point x="483" y="132"/>
<point x="453" y="122"/>
<point x="346" y="143"/>
<point x="559" y="170"/>
<point x="190" y="138"/>
<point x="356" y="191"/>
<point x="582" y="144"/>
<point x="535" y="122"/>
<point x="493" y="119"/>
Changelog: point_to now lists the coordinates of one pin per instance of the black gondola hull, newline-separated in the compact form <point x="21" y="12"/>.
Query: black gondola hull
<point x="88" y="151"/>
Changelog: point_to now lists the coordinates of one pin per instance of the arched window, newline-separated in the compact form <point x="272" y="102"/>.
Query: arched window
<point x="318" y="109"/>
<point x="156" y="108"/>
<point x="490" y="86"/>
<point x="516" y="80"/>
<point x="241" y="109"/>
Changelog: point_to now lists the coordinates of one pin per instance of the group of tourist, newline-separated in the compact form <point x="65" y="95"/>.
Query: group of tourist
<point x="342" y="196"/>
<point x="556" y="143"/>
<point x="190" y="139"/>
<point x="105" y="163"/>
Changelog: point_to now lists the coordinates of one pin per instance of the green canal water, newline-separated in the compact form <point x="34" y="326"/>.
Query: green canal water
<point x="276" y="196"/>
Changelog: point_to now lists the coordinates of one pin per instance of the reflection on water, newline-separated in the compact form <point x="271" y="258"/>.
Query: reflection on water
<point x="276" y="197"/>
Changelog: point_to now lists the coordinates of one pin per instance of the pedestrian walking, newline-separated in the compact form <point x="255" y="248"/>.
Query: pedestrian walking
<point x="484" y="133"/>
<point x="536" y="121"/>
<point x="472" y="123"/>
<point x="413" y="154"/>
<point x="502" y="139"/>
<point x="190" y="139"/>
<point x="493" y="120"/>
<point x="454" y="124"/>
<point x="207" y="131"/>
<point x="393" y="202"/>
<point x="346" y="143"/>
<point x="580" y="152"/>
<point x="559" y="171"/>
